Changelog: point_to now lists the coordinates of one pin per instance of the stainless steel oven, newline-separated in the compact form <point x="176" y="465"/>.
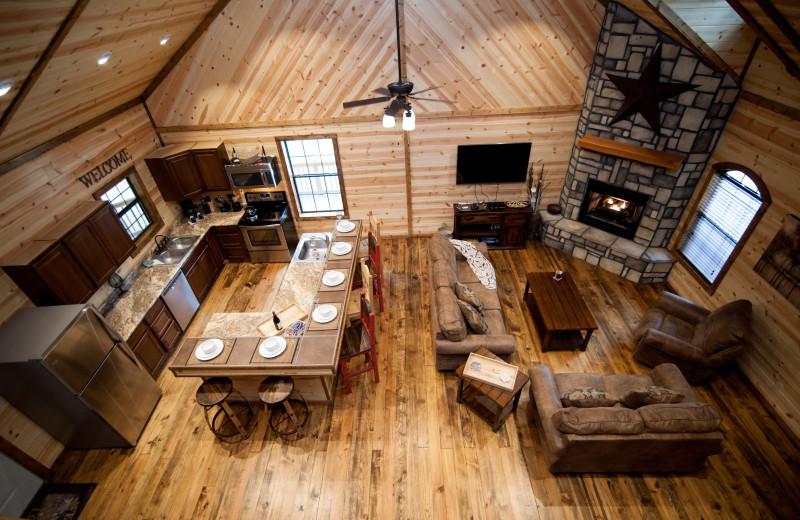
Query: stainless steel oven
<point x="255" y="172"/>
<point x="269" y="231"/>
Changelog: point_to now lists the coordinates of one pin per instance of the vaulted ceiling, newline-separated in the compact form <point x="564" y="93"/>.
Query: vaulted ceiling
<point x="258" y="62"/>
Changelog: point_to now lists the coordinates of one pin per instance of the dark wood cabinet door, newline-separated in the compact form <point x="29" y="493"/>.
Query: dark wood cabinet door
<point x="147" y="348"/>
<point x="90" y="252"/>
<point x="64" y="276"/>
<point x="217" y="255"/>
<point x="115" y="238"/>
<point x="211" y="168"/>
<point x="184" y="174"/>
<point x="232" y="243"/>
<point x="201" y="272"/>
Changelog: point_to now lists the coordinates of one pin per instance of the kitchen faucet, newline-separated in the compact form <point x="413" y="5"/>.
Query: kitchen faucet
<point x="160" y="244"/>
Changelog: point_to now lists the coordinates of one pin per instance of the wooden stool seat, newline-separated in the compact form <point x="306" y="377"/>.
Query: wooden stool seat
<point x="279" y="390"/>
<point x="232" y="416"/>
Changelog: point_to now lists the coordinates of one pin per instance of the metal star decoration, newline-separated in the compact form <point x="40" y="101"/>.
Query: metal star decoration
<point x="644" y="94"/>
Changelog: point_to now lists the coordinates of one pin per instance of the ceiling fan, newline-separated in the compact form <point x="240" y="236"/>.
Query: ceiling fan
<point x="399" y="92"/>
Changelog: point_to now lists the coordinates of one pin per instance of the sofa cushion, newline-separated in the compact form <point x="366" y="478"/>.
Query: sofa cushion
<point x="587" y="421"/>
<point x="440" y="248"/>
<point x="451" y="322"/>
<point x="680" y="418"/>
<point x="443" y="275"/>
<point x="727" y="326"/>
<point x="488" y="297"/>
<point x="473" y="318"/>
<point x="678" y="328"/>
<point x="645" y="395"/>
<point x="465" y="294"/>
<point x="587" y="398"/>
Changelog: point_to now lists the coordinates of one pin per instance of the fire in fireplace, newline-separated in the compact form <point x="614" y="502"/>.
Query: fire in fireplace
<point x="612" y="208"/>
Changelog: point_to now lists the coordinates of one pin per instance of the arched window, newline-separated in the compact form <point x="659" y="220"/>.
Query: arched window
<point x="731" y="206"/>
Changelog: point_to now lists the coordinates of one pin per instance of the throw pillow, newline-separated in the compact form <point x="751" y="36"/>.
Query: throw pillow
<point x="587" y="398"/>
<point x="450" y="320"/>
<point x="680" y="418"/>
<point x="474" y="318"/>
<point x="466" y="294"/>
<point x="587" y="421"/>
<point x="645" y="395"/>
<point x="727" y="326"/>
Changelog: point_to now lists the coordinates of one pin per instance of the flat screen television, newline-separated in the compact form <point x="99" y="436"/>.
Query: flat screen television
<point x="492" y="163"/>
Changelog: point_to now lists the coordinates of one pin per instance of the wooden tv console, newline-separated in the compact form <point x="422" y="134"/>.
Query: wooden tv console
<point x="503" y="228"/>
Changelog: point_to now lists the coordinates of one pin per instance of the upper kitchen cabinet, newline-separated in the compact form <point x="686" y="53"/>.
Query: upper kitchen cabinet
<point x="182" y="171"/>
<point x="74" y="258"/>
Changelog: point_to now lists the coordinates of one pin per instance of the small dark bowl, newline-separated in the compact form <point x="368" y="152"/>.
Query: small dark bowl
<point x="553" y="209"/>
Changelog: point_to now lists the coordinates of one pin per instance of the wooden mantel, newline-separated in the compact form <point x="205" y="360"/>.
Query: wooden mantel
<point x="668" y="160"/>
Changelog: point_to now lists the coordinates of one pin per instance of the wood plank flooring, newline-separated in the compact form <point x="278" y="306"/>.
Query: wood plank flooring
<point x="403" y="448"/>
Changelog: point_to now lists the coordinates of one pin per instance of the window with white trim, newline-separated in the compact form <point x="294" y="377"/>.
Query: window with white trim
<point x="129" y="208"/>
<point x="729" y="209"/>
<point x="313" y="166"/>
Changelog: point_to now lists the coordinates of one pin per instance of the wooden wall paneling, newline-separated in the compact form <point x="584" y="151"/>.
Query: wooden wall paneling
<point x="776" y="23"/>
<point x="767" y="77"/>
<point x="27" y="28"/>
<point x="433" y="161"/>
<point x="764" y="142"/>
<point x="58" y="100"/>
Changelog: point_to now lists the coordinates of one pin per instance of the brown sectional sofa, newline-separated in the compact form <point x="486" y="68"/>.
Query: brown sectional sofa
<point x="453" y="340"/>
<point x="670" y="439"/>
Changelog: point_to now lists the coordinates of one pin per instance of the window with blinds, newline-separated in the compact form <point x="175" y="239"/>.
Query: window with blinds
<point x="726" y="212"/>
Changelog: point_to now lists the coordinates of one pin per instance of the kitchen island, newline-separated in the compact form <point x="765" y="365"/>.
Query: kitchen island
<point x="311" y="358"/>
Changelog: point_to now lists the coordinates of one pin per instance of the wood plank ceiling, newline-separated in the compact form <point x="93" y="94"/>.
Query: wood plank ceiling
<point x="285" y="62"/>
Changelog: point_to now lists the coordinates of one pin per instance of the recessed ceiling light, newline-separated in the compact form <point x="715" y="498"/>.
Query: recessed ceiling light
<point x="164" y="40"/>
<point x="104" y="58"/>
<point x="5" y="86"/>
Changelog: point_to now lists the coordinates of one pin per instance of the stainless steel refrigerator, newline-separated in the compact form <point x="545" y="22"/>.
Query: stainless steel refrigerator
<point x="71" y="373"/>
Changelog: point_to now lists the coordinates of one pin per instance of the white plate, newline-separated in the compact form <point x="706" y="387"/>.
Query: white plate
<point x="345" y="226"/>
<point x="208" y="350"/>
<point x="341" y="248"/>
<point x="319" y="313"/>
<point x="333" y="278"/>
<point x="272" y="347"/>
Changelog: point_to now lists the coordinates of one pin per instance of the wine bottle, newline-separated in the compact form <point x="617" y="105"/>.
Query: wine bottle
<point x="276" y="320"/>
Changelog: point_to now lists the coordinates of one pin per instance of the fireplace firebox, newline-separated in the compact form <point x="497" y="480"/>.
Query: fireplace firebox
<point x="612" y="208"/>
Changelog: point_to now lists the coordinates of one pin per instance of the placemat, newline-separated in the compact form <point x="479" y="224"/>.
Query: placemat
<point x="331" y="325"/>
<point x="326" y="288"/>
<point x="221" y="359"/>
<point x="286" y="357"/>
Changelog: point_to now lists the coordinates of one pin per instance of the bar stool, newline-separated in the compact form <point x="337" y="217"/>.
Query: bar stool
<point x="276" y="390"/>
<point x="233" y="411"/>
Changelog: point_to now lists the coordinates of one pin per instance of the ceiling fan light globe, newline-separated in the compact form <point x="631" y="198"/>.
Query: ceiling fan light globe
<point x="388" y="121"/>
<point x="409" y="120"/>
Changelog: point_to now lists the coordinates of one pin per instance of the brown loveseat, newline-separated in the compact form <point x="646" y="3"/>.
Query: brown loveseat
<point x="699" y="341"/>
<point x="453" y="340"/>
<point x="652" y="438"/>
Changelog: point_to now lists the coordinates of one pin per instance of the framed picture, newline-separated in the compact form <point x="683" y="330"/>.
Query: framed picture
<point x="780" y="263"/>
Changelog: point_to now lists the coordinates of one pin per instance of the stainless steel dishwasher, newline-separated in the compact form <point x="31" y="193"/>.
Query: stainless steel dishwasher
<point x="180" y="300"/>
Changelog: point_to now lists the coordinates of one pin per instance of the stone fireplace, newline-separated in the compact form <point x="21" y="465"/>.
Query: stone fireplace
<point x="635" y="246"/>
<point x="611" y="208"/>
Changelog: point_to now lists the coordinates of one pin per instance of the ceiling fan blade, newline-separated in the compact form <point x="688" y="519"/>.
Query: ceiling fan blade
<point x="396" y="106"/>
<point x="382" y="91"/>
<point x="360" y="102"/>
<point x="431" y="99"/>
<point x="425" y="90"/>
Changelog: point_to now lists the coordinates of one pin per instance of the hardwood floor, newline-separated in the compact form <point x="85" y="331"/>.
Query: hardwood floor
<point x="403" y="448"/>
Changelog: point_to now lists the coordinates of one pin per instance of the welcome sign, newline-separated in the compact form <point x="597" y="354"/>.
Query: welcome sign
<point x="105" y="168"/>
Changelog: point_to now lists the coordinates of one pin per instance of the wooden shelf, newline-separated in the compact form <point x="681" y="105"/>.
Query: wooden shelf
<point x="668" y="160"/>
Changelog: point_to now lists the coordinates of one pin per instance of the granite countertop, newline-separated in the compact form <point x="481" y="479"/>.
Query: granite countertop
<point x="300" y="283"/>
<point x="147" y="283"/>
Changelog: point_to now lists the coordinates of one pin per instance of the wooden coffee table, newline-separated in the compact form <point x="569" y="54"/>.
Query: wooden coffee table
<point x="559" y="312"/>
<point x="493" y="404"/>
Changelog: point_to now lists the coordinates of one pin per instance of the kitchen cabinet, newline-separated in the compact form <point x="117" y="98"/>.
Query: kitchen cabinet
<point x="232" y="243"/>
<point x="203" y="266"/>
<point x="183" y="171"/>
<point x="154" y="338"/>
<point x="504" y="228"/>
<point x="73" y="258"/>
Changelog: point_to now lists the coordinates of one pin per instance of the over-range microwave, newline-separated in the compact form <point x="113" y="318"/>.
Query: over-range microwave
<point x="262" y="172"/>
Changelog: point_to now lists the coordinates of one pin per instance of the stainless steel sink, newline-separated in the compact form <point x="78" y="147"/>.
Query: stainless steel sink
<point x="312" y="248"/>
<point x="175" y="250"/>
